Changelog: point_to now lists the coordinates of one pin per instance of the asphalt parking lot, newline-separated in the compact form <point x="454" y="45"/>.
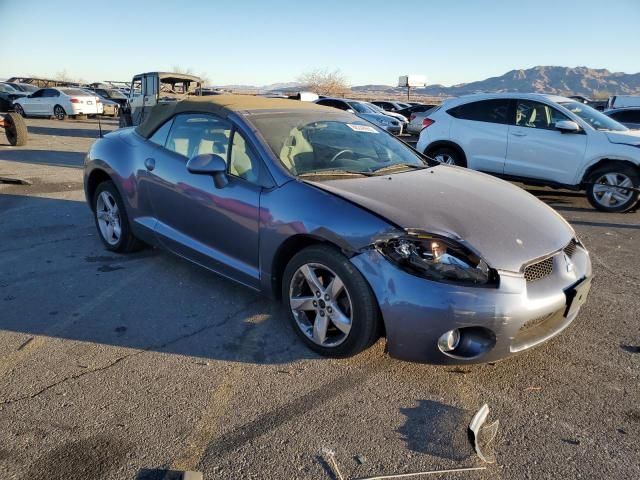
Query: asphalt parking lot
<point x="120" y="367"/>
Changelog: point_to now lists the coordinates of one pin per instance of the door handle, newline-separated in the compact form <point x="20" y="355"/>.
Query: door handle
<point x="150" y="163"/>
<point x="518" y="134"/>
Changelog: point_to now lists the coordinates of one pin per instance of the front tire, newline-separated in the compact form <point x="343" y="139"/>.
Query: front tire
<point x="19" y="110"/>
<point x="111" y="220"/>
<point x="329" y="303"/>
<point x="447" y="156"/>
<point x="59" y="112"/>
<point x="601" y="192"/>
<point x="16" y="129"/>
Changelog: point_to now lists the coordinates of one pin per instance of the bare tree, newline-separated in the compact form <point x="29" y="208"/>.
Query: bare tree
<point x="325" y="82"/>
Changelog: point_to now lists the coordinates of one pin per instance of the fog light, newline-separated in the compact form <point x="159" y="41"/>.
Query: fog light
<point x="449" y="341"/>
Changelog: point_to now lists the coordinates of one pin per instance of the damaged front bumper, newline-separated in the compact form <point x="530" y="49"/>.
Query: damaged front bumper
<point x="492" y="322"/>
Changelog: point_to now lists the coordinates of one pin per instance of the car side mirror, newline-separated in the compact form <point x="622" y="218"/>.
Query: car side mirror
<point x="210" y="164"/>
<point x="568" y="126"/>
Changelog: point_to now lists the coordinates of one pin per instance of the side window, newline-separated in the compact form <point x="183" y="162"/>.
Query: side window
<point x="150" y="85"/>
<point x="628" y="116"/>
<point x="492" y="111"/>
<point x="243" y="162"/>
<point x="194" y="134"/>
<point x="537" y="115"/>
<point x="38" y="93"/>
<point x="160" y="135"/>
<point x="326" y="103"/>
<point x="50" y="93"/>
<point x="136" y="87"/>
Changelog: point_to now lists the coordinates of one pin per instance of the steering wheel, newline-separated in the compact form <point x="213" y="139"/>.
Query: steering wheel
<point x="339" y="154"/>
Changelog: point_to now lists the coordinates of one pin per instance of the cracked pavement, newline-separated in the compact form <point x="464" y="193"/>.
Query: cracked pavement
<point x="119" y="367"/>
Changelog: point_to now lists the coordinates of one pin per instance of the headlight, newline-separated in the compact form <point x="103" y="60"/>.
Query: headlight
<point x="439" y="259"/>
<point x="384" y="121"/>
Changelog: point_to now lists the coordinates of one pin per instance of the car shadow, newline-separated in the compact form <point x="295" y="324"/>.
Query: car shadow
<point x="55" y="158"/>
<point x="57" y="280"/>
<point x="437" y="429"/>
<point x="69" y="132"/>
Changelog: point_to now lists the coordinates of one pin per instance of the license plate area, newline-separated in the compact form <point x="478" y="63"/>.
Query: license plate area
<point x="576" y="296"/>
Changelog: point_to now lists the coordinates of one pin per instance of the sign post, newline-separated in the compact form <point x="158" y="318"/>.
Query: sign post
<point x="409" y="81"/>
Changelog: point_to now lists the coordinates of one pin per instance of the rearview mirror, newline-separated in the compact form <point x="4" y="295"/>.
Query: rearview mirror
<point x="568" y="126"/>
<point x="210" y="164"/>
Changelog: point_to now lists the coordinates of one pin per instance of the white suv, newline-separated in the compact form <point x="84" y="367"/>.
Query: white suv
<point x="538" y="139"/>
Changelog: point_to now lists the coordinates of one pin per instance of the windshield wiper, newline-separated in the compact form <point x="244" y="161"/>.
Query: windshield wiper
<point x="400" y="165"/>
<point x="334" y="173"/>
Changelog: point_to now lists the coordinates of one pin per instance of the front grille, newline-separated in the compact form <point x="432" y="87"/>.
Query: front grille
<point x="538" y="271"/>
<point x="570" y="249"/>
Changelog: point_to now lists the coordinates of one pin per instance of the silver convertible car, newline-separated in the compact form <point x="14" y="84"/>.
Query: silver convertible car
<point x="358" y="234"/>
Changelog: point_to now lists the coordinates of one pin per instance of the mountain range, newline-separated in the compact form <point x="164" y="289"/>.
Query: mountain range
<point x="590" y="82"/>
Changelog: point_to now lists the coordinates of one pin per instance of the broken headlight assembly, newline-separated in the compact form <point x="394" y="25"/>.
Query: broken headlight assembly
<point x="439" y="259"/>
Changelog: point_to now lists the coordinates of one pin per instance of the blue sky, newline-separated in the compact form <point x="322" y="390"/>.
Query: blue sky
<point x="262" y="42"/>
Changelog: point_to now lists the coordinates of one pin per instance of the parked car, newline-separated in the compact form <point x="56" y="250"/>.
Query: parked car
<point x="152" y="88"/>
<point x="362" y="110"/>
<point x="23" y="87"/>
<point x="112" y="94"/>
<point x="400" y="118"/>
<point x="542" y="139"/>
<point x="351" y="228"/>
<point x="629" y="116"/>
<point x="59" y="102"/>
<point x="416" y="124"/>
<point x="420" y="108"/>
<point x="389" y="106"/>
<point x="7" y="96"/>
<point x="109" y="107"/>
<point x="622" y="101"/>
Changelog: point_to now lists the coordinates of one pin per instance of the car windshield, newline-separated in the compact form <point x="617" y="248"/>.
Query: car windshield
<point x="76" y="92"/>
<point x="313" y="142"/>
<point x="116" y="94"/>
<point x="375" y="108"/>
<point x="593" y="117"/>
<point x="25" y="87"/>
<point x="5" y="87"/>
<point x="361" y="107"/>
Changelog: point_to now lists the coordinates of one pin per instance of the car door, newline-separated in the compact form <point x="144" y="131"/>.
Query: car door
<point x="537" y="149"/>
<point x="50" y="98"/>
<point x="215" y="227"/>
<point x="32" y="105"/>
<point x="481" y="130"/>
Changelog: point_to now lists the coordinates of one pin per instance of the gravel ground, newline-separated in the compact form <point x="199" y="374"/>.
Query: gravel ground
<point x="121" y="367"/>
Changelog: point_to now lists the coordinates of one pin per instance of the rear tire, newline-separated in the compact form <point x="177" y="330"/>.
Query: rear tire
<point x="59" y="113"/>
<point x="606" y="199"/>
<point x="447" y="156"/>
<point x="16" y="129"/>
<point x="111" y="220"/>
<point x="350" y="310"/>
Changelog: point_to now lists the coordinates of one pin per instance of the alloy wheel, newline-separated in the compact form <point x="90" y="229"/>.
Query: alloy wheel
<point x="321" y="305"/>
<point x="59" y="113"/>
<point x="445" y="158"/>
<point x="108" y="216"/>
<point x="607" y="191"/>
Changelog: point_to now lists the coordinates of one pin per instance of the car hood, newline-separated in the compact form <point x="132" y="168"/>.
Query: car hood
<point x="630" y="137"/>
<point x="504" y="224"/>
